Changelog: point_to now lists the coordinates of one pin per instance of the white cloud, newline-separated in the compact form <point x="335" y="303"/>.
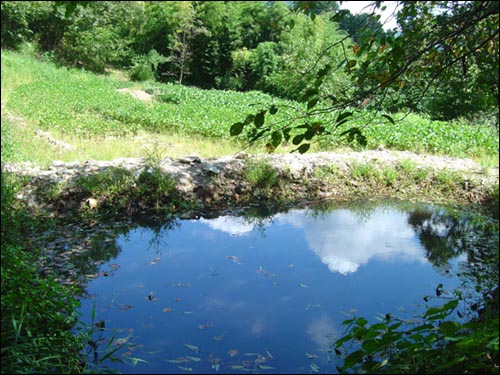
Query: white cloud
<point x="321" y="331"/>
<point x="235" y="226"/>
<point x="344" y="244"/>
<point x="340" y="240"/>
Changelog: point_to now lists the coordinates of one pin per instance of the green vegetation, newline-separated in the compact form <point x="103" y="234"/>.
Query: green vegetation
<point x="260" y="174"/>
<point x="41" y="329"/>
<point x="258" y="74"/>
<point x="436" y="343"/>
<point x="86" y="110"/>
<point x="85" y="122"/>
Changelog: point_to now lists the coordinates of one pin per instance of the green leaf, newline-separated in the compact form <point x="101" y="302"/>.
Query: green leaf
<point x="259" y="118"/>
<point x="371" y="346"/>
<point x="353" y="359"/>
<point x="343" y="116"/>
<point x="361" y="321"/>
<point x="297" y="139"/>
<point x="324" y="71"/>
<point x="303" y="148"/>
<point x="286" y="134"/>
<point x="355" y="134"/>
<point x="309" y="134"/>
<point x="258" y="135"/>
<point x="391" y="120"/>
<point x="311" y="92"/>
<point x="236" y="128"/>
<point x="249" y="119"/>
<point x="276" y="138"/>
<point x="311" y="103"/>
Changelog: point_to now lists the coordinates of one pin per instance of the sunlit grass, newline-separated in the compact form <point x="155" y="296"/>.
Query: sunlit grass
<point x="171" y="145"/>
<point x="86" y="111"/>
<point x="30" y="147"/>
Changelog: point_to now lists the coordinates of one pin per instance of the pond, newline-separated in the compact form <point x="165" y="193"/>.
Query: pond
<point x="268" y="294"/>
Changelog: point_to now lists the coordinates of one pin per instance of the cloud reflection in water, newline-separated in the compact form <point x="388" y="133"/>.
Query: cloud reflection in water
<point x="342" y="241"/>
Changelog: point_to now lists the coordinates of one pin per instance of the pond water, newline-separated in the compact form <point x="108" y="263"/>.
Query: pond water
<point x="268" y="295"/>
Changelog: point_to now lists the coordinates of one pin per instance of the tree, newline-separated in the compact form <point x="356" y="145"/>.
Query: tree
<point x="436" y="39"/>
<point x="356" y="23"/>
<point x="188" y="26"/>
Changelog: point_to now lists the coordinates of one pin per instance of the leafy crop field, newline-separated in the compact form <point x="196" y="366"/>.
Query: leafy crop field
<point x="74" y="104"/>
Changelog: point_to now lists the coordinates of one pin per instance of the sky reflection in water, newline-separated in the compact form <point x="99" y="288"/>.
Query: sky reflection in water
<point x="267" y="296"/>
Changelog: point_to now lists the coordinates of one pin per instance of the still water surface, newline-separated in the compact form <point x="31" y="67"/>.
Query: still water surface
<point x="234" y="295"/>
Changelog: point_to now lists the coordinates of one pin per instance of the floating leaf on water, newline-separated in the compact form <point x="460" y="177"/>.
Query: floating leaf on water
<point x="314" y="367"/>
<point x="185" y="368"/>
<point x="121" y="341"/>
<point x="155" y="261"/>
<point x="126" y="307"/>
<point x="182" y="285"/>
<point x="234" y="259"/>
<point x="215" y="364"/>
<point x="260" y="359"/>
<point x="136" y="360"/>
<point x="311" y="356"/>
<point x="251" y="354"/>
<point x="237" y="367"/>
<point x="194" y="359"/>
<point x="114" y="266"/>
<point x="178" y="360"/>
<point x="233" y="352"/>
<point x="269" y="354"/>
<point x="205" y="325"/>
<point x="194" y="348"/>
<point x="303" y="285"/>
<point x="213" y="271"/>
<point x="167" y="309"/>
<point x="262" y="367"/>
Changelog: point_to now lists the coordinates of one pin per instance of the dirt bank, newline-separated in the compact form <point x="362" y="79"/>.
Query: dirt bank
<point x="225" y="182"/>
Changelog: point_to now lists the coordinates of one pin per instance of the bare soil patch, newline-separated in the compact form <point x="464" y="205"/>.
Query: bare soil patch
<point x="138" y="94"/>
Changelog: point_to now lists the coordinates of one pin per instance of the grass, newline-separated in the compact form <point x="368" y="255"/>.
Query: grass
<point x="260" y="174"/>
<point x="86" y="111"/>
